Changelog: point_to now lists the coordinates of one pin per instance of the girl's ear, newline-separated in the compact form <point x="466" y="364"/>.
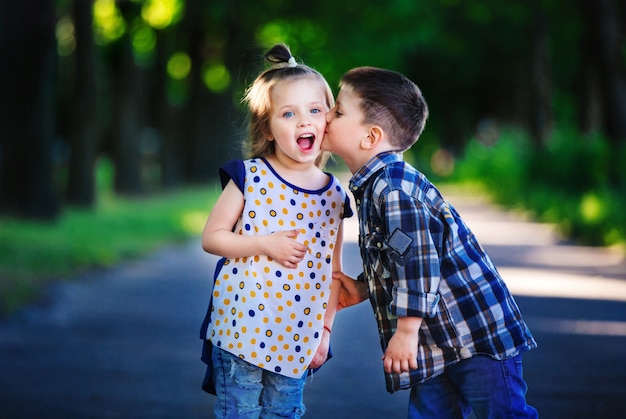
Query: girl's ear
<point x="373" y="139"/>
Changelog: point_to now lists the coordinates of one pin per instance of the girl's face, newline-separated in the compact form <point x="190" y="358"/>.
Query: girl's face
<point x="297" y="119"/>
<point x="345" y="128"/>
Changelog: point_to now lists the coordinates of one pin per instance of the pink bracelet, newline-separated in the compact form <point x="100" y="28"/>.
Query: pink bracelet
<point x="327" y="328"/>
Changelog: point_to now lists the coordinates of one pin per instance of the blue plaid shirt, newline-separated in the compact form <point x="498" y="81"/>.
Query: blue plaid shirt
<point x="421" y="260"/>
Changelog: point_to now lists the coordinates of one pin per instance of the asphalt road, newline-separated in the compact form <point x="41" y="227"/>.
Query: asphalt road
<point x="123" y="343"/>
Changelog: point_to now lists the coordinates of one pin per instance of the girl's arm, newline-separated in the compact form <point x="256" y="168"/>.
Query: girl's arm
<point x="331" y="309"/>
<point x="218" y="237"/>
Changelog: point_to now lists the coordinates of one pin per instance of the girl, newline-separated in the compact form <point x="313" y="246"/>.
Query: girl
<point x="278" y="227"/>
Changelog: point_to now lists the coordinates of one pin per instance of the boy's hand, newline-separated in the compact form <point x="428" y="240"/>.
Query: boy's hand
<point x="321" y="354"/>
<point x="352" y="292"/>
<point x="401" y="353"/>
<point x="284" y="249"/>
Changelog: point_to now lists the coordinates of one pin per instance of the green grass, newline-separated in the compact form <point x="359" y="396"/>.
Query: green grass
<point x="34" y="254"/>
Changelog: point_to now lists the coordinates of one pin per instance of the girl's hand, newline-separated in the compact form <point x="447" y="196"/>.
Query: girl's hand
<point x="284" y="249"/>
<point x="322" y="351"/>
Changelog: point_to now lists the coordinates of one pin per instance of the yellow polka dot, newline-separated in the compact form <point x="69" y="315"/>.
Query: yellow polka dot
<point x="270" y="185"/>
<point x="253" y="355"/>
<point x="278" y="320"/>
<point x="290" y="358"/>
<point x="273" y="348"/>
<point x="268" y="333"/>
<point x="319" y="317"/>
<point x="252" y="214"/>
<point x="295" y="371"/>
<point x="289" y="329"/>
<point x="285" y="211"/>
<point x="250" y="189"/>
<point x="266" y="320"/>
<point x="282" y="197"/>
<point x="257" y="202"/>
<point x="307" y="311"/>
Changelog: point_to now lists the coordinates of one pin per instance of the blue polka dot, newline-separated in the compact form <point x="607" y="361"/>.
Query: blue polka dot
<point x="234" y="323"/>
<point x="277" y="369"/>
<point x="318" y="235"/>
<point x="300" y="323"/>
<point x="251" y="313"/>
<point x="279" y="274"/>
<point x="297" y="297"/>
<point x="316" y="335"/>
<point x="292" y="202"/>
<point x="323" y="202"/>
<point x="312" y="275"/>
<point x="248" y="227"/>
<point x="257" y="179"/>
<point x="311" y="226"/>
<point x="323" y="243"/>
<point x="235" y="270"/>
<point x="298" y="348"/>
<point x="262" y="345"/>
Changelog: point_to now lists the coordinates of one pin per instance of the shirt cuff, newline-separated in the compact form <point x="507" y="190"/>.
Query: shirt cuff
<point x="408" y="303"/>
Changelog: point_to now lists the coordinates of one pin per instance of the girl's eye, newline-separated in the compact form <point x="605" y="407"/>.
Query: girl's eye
<point x="337" y="113"/>
<point x="288" y="114"/>
<point x="316" y="110"/>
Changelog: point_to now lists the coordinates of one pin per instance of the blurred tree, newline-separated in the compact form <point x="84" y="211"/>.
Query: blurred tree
<point x="27" y="104"/>
<point x="83" y="142"/>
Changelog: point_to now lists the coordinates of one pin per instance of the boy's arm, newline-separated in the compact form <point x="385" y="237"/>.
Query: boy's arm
<point x="401" y="353"/>
<point x="331" y="309"/>
<point x="219" y="239"/>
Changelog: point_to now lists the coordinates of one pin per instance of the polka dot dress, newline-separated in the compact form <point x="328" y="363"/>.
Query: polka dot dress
<point x="264" y="313"/>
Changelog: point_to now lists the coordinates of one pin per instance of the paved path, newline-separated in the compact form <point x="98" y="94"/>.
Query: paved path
<point x="122" y="343"/>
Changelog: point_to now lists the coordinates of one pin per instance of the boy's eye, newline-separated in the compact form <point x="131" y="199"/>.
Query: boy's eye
<point x="316" y="110"/>
<point x="288" y="114"/>
<point x="337" y="113"/>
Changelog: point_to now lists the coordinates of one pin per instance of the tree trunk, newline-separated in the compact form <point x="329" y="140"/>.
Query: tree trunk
<point x="541" y="80"/>
<point x="605" y="27"/>
<point x="81" y="184"/>
<point x="128" y="115"/>
<point x="27" y="109"/>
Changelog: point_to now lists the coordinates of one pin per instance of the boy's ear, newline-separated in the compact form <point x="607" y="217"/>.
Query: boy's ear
<point x="373" y="139"/>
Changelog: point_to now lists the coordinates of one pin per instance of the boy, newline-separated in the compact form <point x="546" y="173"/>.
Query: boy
<point x="450" y="330"/>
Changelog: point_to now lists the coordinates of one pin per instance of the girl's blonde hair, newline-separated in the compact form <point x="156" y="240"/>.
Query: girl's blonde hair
<point x="258" y="98"/>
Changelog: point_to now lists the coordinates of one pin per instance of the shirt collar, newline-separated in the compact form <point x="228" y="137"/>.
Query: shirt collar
<point x="360" y="178"/>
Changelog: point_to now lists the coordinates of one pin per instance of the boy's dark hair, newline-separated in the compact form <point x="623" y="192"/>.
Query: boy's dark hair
<point x="390" y="100"/>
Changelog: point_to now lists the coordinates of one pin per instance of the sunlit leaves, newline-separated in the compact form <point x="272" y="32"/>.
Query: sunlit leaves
<point x="162" y="13"/>
<point x="66" y="42"/>
<point x="109" y="24"/>
<point x="179" y="66"/>
<point x="216" y="77"/>
<point x="143" y="40"/>
<point x="295" y="33"/>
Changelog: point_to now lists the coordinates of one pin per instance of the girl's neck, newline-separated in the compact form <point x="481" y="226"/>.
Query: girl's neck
<point x="304" y="175"/>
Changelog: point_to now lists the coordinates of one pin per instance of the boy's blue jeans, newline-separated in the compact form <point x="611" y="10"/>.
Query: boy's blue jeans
<point x="488" y="387"/>
<point x="247" y="391"/>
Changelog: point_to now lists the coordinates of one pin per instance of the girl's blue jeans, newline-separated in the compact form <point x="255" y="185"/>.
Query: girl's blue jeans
<point x="488" y="387"/>
<point x="245" y="391"/>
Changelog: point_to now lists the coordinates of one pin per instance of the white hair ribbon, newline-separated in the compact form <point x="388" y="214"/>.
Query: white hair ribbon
<point x="292" y="62"/>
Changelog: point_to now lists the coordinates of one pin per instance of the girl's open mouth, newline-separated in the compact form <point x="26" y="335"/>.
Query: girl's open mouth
<point x="306" y="141"/>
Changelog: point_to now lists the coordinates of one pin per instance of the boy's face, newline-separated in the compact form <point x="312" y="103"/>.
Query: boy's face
<point x="345" y="128"/>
